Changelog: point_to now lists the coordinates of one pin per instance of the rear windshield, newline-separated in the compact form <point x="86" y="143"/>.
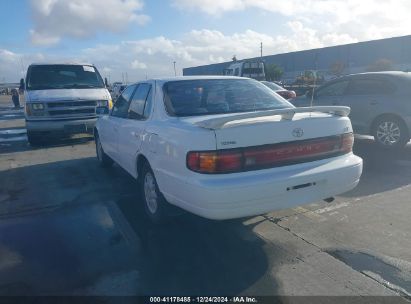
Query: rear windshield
<point x="46" y="77"/>
<point x="217" y="96"/>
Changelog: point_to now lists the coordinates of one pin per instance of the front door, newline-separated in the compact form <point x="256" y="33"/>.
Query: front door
<point x="132" y="130"/>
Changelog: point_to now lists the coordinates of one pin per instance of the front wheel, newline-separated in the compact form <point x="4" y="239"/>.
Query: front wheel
<point x="155" y="204"/>
<point x="390" y="132"/>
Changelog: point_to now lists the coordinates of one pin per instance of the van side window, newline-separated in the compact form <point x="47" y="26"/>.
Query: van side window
<point x="334" y="89"/>
<point x="370" y="87"/>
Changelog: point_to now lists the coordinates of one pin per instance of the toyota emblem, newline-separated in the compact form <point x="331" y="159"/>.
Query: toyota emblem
<point x="298" y="132"/>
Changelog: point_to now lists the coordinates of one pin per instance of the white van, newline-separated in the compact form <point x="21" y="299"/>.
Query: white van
<point x="63" y="99"/>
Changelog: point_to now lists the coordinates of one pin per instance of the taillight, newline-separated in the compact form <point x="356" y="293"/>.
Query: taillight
<point x="214" y="162"/>
<point x="268" y="156"/>
<point x="347" y="142"/>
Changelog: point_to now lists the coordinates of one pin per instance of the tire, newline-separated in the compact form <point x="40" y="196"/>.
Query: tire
<point x="104" y="160"/>
<point x="155" y="204"/>
<point x="34" y="138"/>
<point x="390" y="132"/>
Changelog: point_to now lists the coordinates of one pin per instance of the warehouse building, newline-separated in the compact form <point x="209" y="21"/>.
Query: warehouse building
<point x="384" y="54"/>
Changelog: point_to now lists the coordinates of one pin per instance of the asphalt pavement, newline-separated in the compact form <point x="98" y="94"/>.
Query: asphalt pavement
<point x="69" y="227"/>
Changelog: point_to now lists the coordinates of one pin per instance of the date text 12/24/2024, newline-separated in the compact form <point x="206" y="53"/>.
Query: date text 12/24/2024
<point x="239" y="299"/>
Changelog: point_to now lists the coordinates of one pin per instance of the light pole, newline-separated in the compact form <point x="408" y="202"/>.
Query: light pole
<point x="175" y="72"/>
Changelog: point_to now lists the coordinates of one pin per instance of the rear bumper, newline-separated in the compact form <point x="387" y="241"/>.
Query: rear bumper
<point x="241" y="195"/>
<point x="63" y="126"/>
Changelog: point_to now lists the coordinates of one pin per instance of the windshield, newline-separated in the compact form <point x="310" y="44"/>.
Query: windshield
<point x="206" y="97"/>
<point x="47" y="77"/>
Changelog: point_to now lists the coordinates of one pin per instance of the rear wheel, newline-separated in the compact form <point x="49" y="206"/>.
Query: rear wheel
<point x="155" y="204"/>
<point x="390" y="132"/>
<point x="103" y="159"/>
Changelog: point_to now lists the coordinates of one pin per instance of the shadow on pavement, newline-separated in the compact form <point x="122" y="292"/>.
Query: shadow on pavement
<point x="60" y="236"/>
<point x="384" y="169"/>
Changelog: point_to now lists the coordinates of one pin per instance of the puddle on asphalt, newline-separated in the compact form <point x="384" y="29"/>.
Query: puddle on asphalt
<point x="392" y="276"/>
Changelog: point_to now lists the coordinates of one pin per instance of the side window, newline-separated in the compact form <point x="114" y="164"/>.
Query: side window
<point x="334" y="89"/>
<point x="122" y="104"/>
<point x="237" y="72"/>
<point x="138" y="102"/>
<point x="149" y="104"/>
<point x="370" y="87"/>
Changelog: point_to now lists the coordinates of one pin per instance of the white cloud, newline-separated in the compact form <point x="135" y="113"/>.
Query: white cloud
<point x="13" y="66"/>
<point x="54" y="19"/>
<point x="360" y="20"/>
<point x="137" y="65"/>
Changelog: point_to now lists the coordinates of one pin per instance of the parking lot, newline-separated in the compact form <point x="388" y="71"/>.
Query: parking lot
<point x="69" y="227"/>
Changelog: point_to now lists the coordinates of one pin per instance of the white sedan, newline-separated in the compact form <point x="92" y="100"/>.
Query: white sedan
<point x="226" y="147"/>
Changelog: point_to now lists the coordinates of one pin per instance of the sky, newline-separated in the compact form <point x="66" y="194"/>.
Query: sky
<point x="143" y="38"/>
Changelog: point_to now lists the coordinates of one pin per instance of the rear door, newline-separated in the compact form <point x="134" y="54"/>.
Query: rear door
<point x="330" y="94"/>
<point x="110" y="129"/>
<point x="367" y="96"/>
<point x="132" y="129"/>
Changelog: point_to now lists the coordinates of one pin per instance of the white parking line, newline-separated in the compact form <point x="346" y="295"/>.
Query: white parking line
<point x="13" y="132"/>
<point x="8" y="112"/>
<point x="12" y="139"/>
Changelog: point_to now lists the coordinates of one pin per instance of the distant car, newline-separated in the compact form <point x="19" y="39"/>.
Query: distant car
<point x="379" y="101"/>
<point x="226" y="147"/>
<point x="280" y="90"/>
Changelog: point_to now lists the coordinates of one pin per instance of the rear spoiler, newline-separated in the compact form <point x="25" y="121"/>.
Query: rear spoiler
<point x="286" y="114"/>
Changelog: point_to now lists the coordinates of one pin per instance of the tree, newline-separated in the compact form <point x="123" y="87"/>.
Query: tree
<point x="381" y="65"/>
<point x="273" y="72"/>
<point x="337" y="68"/>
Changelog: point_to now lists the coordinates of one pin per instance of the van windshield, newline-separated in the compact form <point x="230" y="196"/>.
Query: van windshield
<point x="219" y="96"/>
<point x="49" y="77"/>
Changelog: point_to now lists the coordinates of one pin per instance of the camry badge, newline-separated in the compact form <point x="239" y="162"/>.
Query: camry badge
<point x="298" y="132"/>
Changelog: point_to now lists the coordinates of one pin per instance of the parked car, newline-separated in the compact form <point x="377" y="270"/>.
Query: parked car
<point x="63" y="99"/>
<point x="379" y="101"/>
<point x="280" y="90"/>
<point x="226" y="147"/>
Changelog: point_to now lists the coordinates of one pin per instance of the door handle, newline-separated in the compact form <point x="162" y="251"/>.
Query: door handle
<point x="135" y="134"/>
<point x="373" y="102"/>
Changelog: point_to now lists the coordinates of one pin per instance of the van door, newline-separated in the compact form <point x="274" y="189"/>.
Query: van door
<point x="366" y="97"/>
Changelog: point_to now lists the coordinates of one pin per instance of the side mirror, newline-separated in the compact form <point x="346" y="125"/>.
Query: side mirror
<point x="106" y="82"/>
<point x="22" y="85"/>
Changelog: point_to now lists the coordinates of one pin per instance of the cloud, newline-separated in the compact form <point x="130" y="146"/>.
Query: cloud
<point x="361" y="20"/>
<point x="137" y="65"/>
<point x="55" y="19"/>
<point x="13" y="66"/>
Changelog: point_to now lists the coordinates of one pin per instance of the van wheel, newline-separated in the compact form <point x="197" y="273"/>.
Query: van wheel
<point x="34" y="138"/>
<point x="155" y="204"/>
<point x="103" y="159"/>
<point x="390" y="132"/>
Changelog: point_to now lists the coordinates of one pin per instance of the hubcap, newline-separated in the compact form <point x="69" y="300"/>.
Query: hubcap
<point x="388" y="133"/>
<point x="150" y="193"/>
